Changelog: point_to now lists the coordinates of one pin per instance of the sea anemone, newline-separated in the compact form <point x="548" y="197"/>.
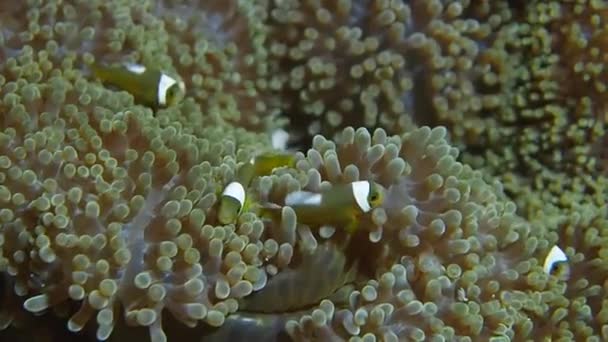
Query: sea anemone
<point x="109" y="210"/>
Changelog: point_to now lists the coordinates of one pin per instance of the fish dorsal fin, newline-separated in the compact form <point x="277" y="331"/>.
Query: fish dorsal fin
<point x="279" y="139"/>
<point x="135" y="68"/>
<point x="303" y="198"/>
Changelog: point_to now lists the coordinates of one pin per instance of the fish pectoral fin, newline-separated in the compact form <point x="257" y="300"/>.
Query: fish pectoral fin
<point x="268" y="210"/>
<point x="271" y="206"/>
<point x="352" y="225"/>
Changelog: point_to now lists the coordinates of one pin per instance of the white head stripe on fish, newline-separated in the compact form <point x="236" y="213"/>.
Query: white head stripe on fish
<point x="236" y="191"/>
<point x="164" y="84"/>
<point x="303" y="198"/>
<point x="135" y="68"/>
<point x="555" y="256"/>
<point x="361" y="191"/>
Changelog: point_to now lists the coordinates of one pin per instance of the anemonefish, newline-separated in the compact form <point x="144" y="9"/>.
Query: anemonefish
<point x="149" y="86"/>
<point x="234" y="196"/>
<point x="555" y="257"/>
<point x="342" y="205"/>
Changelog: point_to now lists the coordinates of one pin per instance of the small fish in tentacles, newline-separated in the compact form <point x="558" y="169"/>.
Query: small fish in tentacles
<point x="341" y="205"/>
<point x="234" y="199"/>
<point x="148" y="85"/>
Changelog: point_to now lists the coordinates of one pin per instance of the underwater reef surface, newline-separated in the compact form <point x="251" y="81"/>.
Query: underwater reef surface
<point x="483" y="121"/>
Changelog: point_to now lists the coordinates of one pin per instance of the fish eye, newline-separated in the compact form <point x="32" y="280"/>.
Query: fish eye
<point x="375" y="196"/>
<point x="172" y="94"/>
<point x="175" y="93"/>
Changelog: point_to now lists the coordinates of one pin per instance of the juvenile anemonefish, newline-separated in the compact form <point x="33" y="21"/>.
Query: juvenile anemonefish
<point x="234" y="196"/>
<point x="554" y="258"/>
<point x="149" y="86"/>
<point x="342" y="205"/>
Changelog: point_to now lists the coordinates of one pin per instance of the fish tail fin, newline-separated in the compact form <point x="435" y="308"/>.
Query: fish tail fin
<point x="99" y="71"/>
<point x="292" y="161"/>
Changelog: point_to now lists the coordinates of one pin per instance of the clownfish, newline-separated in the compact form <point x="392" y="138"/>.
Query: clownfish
<point x="234" y="197"/>
<point x="149" y="86"/>
<point x="342" y="205"/>
<point x="556" y="259"/>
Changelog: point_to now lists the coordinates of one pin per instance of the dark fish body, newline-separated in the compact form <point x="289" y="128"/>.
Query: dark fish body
<point x="342" y="205"/>
<point x="149" y="86"/>
<point x="234" y="198"/>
